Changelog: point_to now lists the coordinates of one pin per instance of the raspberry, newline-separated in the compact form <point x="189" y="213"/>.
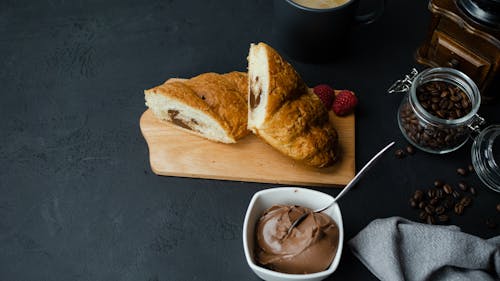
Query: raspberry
<point x="325" y="93"/>
<point x="345" y="102"/>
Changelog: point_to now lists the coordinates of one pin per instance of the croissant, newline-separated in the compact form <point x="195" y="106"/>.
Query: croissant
<point x="285" y="113"/>
<point x="210" y="105"/>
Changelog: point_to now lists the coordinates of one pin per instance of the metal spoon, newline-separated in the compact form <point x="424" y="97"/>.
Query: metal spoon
<point x="347" y="188"/>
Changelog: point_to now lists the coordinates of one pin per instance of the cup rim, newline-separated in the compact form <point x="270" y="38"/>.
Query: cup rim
<point x="255" y="267"/>
<point x="316" y="10"/>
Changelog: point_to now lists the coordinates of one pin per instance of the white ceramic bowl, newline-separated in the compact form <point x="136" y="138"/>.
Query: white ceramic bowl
<point x="264" y="199"/>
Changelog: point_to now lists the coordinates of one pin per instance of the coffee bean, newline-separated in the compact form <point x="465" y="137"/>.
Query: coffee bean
<point x="421" y="205"/>
<point x="459" y="209"/>
<point x="447" y="189"/>
<point x="422" y="215"/>
<point x="462" y="185"/>
<point x="472" y="190"/>
<point x="434" y="201"/>
<point x="462" y="172"/>
<point x="498" y="207"/>
<point x="466" y="201"/>
<point x="455" y="98"/>
<point x="418" y="195"/>
<point x="410" y="149"/>
<point x="438" y="183"/>
<point x="431" y="193"/>
<point x="413" y="203"/>
<point x="448" y="95"/>
<point x="470" y="168"/>
<point x="455" y="194"/>
<point x="440" y="210"/>
<point x="429" y="209"/>
<point x="448" y="102"/>
<point x="490" y="223"/>
<point x="443" y="218"/>
<point x="399" y="154"/>
<point x="440" y="194"/>
<point x="431" y="219"/>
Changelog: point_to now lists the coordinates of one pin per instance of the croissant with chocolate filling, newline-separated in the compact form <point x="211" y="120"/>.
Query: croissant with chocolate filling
<point x="210" y="105"/>
<point x="285" y="113"/>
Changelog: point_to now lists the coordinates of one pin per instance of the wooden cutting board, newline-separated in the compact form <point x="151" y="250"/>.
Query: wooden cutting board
<point x="173" y="152"/>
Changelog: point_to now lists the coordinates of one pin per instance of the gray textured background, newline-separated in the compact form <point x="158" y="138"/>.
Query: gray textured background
<point x="78" y="200"/>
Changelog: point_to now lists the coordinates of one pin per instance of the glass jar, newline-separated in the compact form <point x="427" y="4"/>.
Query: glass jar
<point x="433" y="133"/>
<point x="428" y="131"/>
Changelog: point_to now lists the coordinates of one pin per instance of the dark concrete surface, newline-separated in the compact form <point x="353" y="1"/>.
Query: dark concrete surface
<point x="78" y="200"/>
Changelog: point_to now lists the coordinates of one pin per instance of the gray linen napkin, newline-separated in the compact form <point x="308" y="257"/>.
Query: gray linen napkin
<point x="396" y="249"/>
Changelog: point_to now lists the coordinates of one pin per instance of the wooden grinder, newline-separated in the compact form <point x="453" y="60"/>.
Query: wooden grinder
<point x="465" y="34"/>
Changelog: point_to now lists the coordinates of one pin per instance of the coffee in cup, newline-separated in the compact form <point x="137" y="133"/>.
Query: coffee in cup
<point x="321" y="4"/>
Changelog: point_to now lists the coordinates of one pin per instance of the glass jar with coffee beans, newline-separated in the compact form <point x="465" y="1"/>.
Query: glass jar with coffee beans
<point x="439" y="113"/>
<point x="439" y="109"/>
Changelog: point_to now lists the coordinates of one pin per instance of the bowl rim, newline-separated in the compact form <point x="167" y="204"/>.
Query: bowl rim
<point x="248" y="255"/>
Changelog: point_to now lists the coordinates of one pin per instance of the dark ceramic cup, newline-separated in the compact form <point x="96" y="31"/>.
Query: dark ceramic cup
<point x="308" y="34"/>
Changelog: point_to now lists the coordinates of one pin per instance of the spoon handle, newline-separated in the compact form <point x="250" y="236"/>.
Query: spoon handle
<point x="346" y="188"/>
<point x="357" y="177"/>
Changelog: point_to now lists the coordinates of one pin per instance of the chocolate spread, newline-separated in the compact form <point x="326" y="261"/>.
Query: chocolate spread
<point x="309" y="247"/>
<point x="173" y="117"/>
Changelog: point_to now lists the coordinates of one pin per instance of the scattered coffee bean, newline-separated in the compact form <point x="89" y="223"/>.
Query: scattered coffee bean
<point x="490" y="223"/>
<point x="498" y="207"/>
<point x="462" y="185"/>
<point x="472" y="190"/>
<point x="440" y="194"/>
<point x="410" y="149"/>
<point x="434" y="201"/>
<point x="438" y="183"/>
<point x="418" y="195"/>
<point x="447" y="189"/>
<point x="431" y="193"/>
<point x="439" y="210"/>
<point x="443" y="218"/>
<point x="431" y="219"/>
<point x="429" y="209"/>
<point x="422" y="215"/>
<point x="462" y="172"/>
<point x="459" y="209"/>
<point x="470" y="168"/>
<point x="399" y="153"/>
<point x="466" y="201"/>
<point x="413" y="203"/>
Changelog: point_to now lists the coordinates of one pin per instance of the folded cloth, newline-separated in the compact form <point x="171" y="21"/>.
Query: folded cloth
<point x="398" y="249"/>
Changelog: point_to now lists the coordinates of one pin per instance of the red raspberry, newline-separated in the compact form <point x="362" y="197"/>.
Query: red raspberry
<point x="325" y="93"/>
<point x="345" y="102"/>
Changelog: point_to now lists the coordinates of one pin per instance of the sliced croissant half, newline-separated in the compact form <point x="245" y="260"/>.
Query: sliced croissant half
<point x="209" y="105"/>
<point x="285" y="113"/>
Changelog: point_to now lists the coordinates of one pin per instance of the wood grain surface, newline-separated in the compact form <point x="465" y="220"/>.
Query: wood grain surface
<point x="174" y="152"/>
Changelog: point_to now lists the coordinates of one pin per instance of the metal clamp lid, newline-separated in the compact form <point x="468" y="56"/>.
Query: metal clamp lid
<point x="475" y="126"/>
<point x="402" y="86"/>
